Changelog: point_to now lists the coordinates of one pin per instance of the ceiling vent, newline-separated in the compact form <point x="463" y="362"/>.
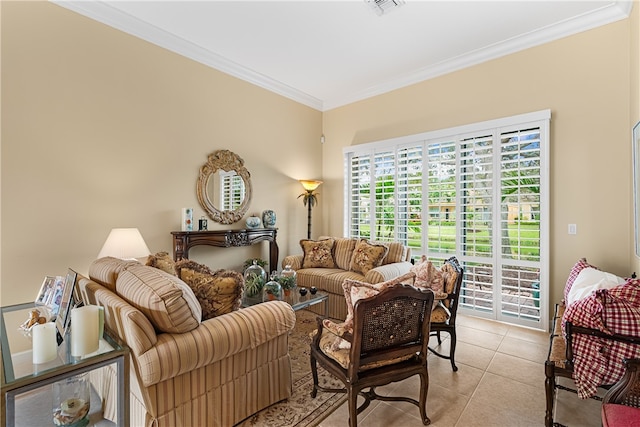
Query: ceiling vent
<point x="380" y="7"/>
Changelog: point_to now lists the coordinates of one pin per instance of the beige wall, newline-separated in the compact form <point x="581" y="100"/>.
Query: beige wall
<point x="101" y="129"/>
<point x="583" y="79"/>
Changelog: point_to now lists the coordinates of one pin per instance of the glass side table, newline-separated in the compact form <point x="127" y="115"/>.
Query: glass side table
<point x="20" y="376"/>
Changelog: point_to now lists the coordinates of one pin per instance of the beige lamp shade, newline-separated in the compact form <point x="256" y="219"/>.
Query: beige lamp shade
<point x="124" y="243"/>
<point x="310" y="185"/>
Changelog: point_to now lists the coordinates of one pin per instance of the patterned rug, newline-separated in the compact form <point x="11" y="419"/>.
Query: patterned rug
<point x="301" y="410"/>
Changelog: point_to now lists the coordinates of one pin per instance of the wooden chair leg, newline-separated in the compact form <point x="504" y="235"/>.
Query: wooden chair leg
<point x="549" y="388"/>
<point x="352" y="397"/>
<point x="314" y="373"/>
<point x="452" y="349"/>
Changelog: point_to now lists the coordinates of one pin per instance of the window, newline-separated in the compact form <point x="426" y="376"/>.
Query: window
<point x="232" y="190"/>
<point x="478" y="192"/>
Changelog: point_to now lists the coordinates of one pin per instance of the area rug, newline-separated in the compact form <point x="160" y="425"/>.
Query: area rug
<point x="301" y="410"/>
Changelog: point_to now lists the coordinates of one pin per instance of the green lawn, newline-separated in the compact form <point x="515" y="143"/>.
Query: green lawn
<point x="524" y="239"/>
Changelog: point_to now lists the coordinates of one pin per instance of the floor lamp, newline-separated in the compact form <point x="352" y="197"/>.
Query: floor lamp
<point x="309" y="199"/>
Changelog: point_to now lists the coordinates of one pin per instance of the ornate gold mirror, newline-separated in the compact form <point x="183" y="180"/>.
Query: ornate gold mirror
<point x="224" y="187"/>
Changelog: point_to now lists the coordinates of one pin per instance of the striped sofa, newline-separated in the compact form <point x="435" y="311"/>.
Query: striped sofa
<point x="395" y="262"/>
<point x="215" y="372"/>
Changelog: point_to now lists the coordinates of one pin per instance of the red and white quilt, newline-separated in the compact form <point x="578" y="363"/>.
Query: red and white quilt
<point x="598" y="361"/>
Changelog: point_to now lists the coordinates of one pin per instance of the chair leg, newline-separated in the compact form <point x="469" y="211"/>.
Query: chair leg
<point x="314" y="373"/>
<point x="452" y="349"/>
<point x="352" y="397"/>
<point x="424" y="388"/>
<point x="439" y="339"/>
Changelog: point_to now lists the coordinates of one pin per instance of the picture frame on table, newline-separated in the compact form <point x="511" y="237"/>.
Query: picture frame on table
<point x="50" y="293"/>
<point x="63" y="317"/>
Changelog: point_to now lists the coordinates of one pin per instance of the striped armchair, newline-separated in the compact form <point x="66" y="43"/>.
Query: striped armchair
<point x="215" y="372"/>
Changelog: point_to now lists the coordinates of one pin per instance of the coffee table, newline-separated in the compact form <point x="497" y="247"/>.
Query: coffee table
<point x="297" y="301"/>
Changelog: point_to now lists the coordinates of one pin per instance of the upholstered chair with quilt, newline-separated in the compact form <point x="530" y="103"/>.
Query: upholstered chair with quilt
<point x="388" y="344"/>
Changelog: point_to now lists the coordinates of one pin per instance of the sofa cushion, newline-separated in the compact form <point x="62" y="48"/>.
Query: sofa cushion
<point x="167" y="301"/>
<point x="343" y="251"/>
<point x="163" y="261"/>
<point x="219" y="292"/>
<point x="105" y="271"/>
<point x="367" y="256"/>
<point x="318" y="253"/>
<point x="397" y="252"/>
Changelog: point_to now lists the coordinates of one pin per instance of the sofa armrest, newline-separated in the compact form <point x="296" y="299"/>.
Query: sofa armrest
<point x="295" y="261"/>
<point x="215" y="339"/>
<point x="387" y="272"/>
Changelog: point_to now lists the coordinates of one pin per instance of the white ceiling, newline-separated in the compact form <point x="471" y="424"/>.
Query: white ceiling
<point x="325" y="54"/>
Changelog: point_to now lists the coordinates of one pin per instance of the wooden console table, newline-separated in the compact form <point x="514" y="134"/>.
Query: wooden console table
<point x="185" y="240"/>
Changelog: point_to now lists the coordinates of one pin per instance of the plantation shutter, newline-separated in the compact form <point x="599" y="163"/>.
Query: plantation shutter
<point x="479" y="192"/>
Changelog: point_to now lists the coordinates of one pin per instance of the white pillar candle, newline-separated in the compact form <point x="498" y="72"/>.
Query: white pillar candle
<point x="84" y="330"/>
<point x="45" y="346"/>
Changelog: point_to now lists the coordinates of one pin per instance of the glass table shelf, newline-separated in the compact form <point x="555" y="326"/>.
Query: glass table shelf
<point x="20" y="375"/>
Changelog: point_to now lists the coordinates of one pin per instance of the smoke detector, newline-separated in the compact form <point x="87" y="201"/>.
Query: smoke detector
<point x="380" y="7"/>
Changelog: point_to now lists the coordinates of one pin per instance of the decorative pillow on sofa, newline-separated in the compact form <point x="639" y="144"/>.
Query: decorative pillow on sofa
<point x="318" y="253"/>
<point x="219" y="292"/>
<point x="167" y="301"/>
<point x="367" y="256"/>
<point x="163" y="261"/>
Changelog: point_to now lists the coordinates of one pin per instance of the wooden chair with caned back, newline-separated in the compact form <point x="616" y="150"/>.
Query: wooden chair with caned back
<point x="388" y="344"/>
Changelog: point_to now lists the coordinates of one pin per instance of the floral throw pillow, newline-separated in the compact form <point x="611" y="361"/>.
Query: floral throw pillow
<point x="367" y="256"/>
<point x="318" y="253"/>
<point x="355" y="290"/>
<point x="428" y="276"/>
<point x="218" y="292"/>
<point x="163" y="261"/>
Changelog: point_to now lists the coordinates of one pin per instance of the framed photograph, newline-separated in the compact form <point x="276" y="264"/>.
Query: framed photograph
<point x="64" y="307"/>
<point x="50" y="293"/>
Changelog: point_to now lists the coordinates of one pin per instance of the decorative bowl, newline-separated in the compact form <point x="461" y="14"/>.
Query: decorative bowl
<point x="303" y="291"/>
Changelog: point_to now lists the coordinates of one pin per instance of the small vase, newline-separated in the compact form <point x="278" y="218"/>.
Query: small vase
<point x="269" y="219"/>
<point x="253" y="222"/>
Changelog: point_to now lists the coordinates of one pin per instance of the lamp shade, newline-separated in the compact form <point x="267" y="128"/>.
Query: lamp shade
<point x="310" y="185"/>
<point x="124" y="243"/>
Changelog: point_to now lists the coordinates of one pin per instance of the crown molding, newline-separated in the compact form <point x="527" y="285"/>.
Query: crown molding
<point x="612" y="12"/>
<point x="106" y="14"/>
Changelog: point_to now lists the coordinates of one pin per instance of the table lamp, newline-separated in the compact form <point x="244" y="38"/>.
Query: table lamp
<point x="124" y="243"/>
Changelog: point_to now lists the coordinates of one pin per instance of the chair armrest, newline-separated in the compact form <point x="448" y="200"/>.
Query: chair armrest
<point x="215" y="339"/>
<point x="387" y="272"/>
<point x="295" y="261"/>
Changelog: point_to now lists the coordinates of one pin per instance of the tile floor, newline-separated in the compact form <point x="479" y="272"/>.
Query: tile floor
<point x="500" y="382"/>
